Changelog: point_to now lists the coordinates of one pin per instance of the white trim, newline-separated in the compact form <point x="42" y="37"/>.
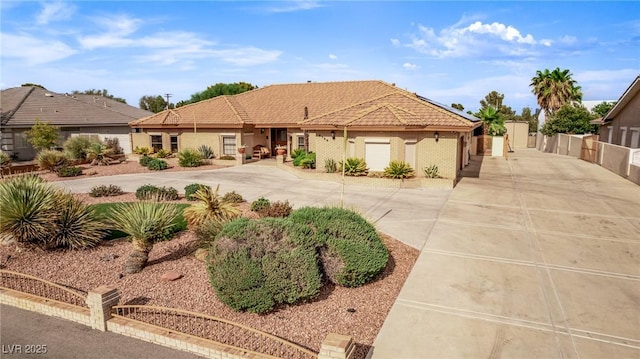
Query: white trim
<point x="635" y="137"/>
<point x="610" y="129"/>
<point x="228" y="134"/>
<point x="377" y="140"/>
<point x="623" y="136"/>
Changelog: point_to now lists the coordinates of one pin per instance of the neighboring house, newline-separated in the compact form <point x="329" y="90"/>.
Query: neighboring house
<point x="621" y="125"/>
<point x="76" y="115"/>
<point x="383" y="123"/>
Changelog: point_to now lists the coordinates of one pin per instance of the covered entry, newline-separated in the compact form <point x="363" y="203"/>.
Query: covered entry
<point x="377" y="153"/>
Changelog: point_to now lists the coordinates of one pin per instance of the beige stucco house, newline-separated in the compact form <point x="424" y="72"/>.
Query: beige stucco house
<point x="383" y="123"/>
<point x="75" y="115"/>
<point x="621" y="125"/>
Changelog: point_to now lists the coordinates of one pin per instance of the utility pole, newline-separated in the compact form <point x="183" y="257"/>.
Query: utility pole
<point x="167" y="95"/>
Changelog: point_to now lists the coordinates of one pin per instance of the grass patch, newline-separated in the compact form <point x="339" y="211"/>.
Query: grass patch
<point x="102" y="210"/>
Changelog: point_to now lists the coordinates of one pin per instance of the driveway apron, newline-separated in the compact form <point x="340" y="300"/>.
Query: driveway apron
<point x="537" y="256"/>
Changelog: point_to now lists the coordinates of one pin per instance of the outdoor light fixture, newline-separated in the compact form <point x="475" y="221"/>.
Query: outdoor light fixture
<point x="436" y="136"/>
<point x="333" y="135"/>
<point x="261" y="130"/>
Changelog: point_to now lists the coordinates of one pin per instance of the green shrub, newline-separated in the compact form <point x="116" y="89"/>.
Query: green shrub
<point x="232" y="197"/>
<point x="299" y="158"/>
<point x="157" y="164"/>
<point x="144" y="160"/>
<point x="105" y="191"/>
<point x="150" y="192"/>
<point x="276" y="209"/>
<point x="297" y="152"/>
<point x="69" y="171"/>
<point x="351" y="252"/>
<point x="190" y="189"/>
<point x="309" y="160"/>
<point x="354" y="167"/>
<point x="163" y="153"/>
<point x="189" y="158"/>
<point x="76" y="147"/>
<point x="37" y="213"/>
<point x="227" y="158"/>
<point x="255" y="264"/>
<point x="260" y="204"/>
<point x="398" y="169"/>
<point x="432" y="172"/>
<point x="142" y="151"/>
<point x="330" y="165"/>
<point x="206" y="152"/>
<point x="51" y="160"/>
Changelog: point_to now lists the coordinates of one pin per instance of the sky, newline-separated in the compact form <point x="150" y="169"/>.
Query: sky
<point x="449" y="52"/>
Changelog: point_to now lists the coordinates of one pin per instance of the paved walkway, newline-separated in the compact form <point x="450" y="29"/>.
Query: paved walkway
<point x="534" y="257"/>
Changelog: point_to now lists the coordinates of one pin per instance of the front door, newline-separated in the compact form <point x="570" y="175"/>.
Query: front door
<point x="278" y="138"/>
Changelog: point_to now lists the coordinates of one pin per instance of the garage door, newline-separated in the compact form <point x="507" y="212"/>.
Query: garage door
<point x="377" y="154"/>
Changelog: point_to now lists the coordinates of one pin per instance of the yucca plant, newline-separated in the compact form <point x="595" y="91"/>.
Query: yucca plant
<point x="51" y="160"/>
<point x="145" y="222"/>
<point x="330" y="165"/>
<point x="206" y="152"/>
<point x="354" y="166"/>
<point x="99" y="154"/>
<point x="210" y="206"/>
<point x="5" y="163"/>
<point x="189" y="158"/>
<point x="398" y="169"/>
<point x="29" y="207"/>
<point x="432" y="172"/>
<point x="76" y="225"/>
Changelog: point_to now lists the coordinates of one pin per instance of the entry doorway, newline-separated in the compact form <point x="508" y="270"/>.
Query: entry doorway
<point x="278" y="138"/>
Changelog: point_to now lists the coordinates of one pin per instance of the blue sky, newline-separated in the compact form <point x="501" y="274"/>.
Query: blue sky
<point x="446" y="51"/>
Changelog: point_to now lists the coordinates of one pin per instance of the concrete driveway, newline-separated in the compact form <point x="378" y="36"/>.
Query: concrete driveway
<point x="407" y="214"/>
<point x="534" y="257"/>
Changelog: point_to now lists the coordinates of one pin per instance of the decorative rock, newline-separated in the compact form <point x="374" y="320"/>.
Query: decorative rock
<point x="171" y="276"/>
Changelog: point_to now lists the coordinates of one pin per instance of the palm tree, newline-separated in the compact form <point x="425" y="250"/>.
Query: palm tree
<point x="493" y="121"/>
<point x="145" y="222"/>
<point x="553" y="89"/>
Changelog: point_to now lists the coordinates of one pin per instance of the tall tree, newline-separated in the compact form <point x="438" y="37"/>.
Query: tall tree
<point x="43" y="135"/>
<point x="531" y="119"/>
<point x="154" y="104"/>
<point x="493" y="121"/>
<point x="103" y="93"/>
<point x="218" y="90"/>
<point x="602" y="108"/>
<point x="554" y="89"/>
<point x="494" y="99"/>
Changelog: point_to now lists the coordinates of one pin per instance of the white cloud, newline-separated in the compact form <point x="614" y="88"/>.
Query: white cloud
<point x="333" y="57"/>
<point x="396" y="42"/>
<point x="55" y="11"/>
<point x="294" y="5"/>
<point x="117" y="29"/>
<point x="475" y="39"/>
<point x="33" y="50"/>
<point x="246" y="56"/>
<point x="409" y="66"/>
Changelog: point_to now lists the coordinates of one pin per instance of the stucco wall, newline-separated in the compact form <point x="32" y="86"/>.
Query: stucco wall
<point x="615" y="159"/>
<point x="629" y="116"/>
<point x="209" y="137"/>
<point x="428" y="152"/>
<point x="518" y="134"/>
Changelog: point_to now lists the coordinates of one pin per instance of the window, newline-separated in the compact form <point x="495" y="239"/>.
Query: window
<point x="20" y="140"/>
<point x="174" y="143"/>
<point x="229" y="145"/>
<point x="156" y="143"/>
<point x="300" y="141"/>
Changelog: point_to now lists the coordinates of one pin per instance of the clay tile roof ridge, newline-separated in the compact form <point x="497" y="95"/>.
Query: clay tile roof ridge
<point x="173" y="120"/>
<point x="393" y="109"/>
<point x="228" y="100"/>
<point x="346" y="108"/>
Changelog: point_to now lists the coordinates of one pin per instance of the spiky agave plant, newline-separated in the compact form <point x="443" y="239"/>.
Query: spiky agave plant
<point x="76" y="226"/>
<point x="28" y="209"/>
<point x="99" y="154"/>
<point x="209" y="206"/>
<point x="145" y="222"/>
<point x="398" y="169"/>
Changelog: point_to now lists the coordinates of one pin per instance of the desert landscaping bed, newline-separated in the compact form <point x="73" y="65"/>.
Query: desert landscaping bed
<point x="358" y="312"/>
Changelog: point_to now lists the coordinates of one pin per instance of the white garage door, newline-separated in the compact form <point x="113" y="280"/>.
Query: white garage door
<point x="378" y="154"/>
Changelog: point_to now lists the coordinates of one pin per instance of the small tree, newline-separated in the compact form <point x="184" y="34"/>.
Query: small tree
<point x="493" y="121"/>
<point x="569" y="119"/>
<point x="601" y="109"/>
<point x="43" y="135"/>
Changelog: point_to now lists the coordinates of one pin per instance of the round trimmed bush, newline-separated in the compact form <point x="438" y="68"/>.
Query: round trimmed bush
<point x="150" y="192"/>
<point x="69" y="171"/>
<point x="144" y="160"/>
<point x="157" y="164"/>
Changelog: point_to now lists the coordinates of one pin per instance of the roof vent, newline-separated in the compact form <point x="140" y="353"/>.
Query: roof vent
<point x="308" y="81"/>
<point x="393" y="84"/>
<point x="48" y="94"/>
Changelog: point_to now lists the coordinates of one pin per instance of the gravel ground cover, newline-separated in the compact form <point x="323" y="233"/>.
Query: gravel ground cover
<point x="359" y="312"/>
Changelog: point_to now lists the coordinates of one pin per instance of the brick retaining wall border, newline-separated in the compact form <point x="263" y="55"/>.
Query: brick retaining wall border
<point x="102" y="298"/>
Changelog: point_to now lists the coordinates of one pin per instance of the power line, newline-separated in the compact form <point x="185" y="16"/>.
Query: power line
<point x="168" y="95"/>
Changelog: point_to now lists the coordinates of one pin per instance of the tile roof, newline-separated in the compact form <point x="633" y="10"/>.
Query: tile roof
<point x="362" y="103"/>
<point x="20" y="106"/>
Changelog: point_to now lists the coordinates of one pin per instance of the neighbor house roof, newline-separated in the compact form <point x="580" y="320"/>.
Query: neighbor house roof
<point x="626" y="97"/>
<point x="365" y="103"/>
<point x="21" y="106"/>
